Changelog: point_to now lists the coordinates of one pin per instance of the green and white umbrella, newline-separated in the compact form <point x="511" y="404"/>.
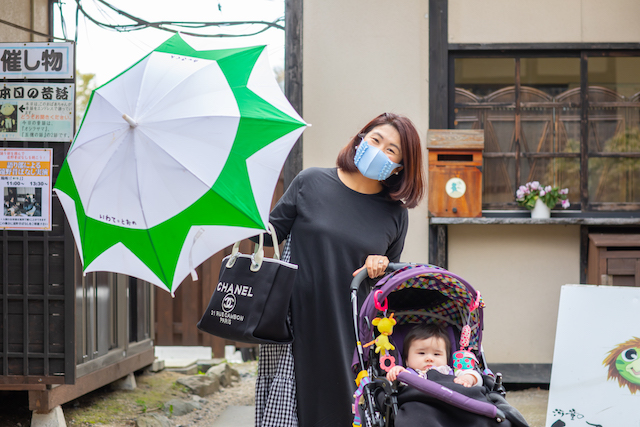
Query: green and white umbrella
<point x="176" y="158"/>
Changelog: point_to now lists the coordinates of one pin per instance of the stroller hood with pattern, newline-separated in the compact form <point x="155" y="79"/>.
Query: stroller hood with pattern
<point x="422" y="294"/>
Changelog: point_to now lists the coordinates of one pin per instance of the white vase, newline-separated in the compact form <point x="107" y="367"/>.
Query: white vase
<point x="540" y="210"/>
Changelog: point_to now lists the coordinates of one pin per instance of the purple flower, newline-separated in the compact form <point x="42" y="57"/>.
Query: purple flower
<point x="564" y="191"/>
<point x="565" y="204"/>
<point x="542" y="193"/>
<point x="547" y="189"/>
<point x="535" y="185"/>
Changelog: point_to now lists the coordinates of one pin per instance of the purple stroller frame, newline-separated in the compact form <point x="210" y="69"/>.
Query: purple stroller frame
<point x="428" y="387"/>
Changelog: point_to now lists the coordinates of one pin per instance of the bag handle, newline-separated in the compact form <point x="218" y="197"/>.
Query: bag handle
<point x="274" y="239"/>
<point x="258" y="252"/>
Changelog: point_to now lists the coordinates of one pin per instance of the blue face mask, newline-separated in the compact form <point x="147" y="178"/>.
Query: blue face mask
<point x="373" y="163"/>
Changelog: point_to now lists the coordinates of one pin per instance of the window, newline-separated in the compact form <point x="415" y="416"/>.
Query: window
<point x="571" y="121"/>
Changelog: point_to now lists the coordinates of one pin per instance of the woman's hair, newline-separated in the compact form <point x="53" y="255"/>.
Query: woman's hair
<point x="408" y="185"/>
<point x="423" y="332"/>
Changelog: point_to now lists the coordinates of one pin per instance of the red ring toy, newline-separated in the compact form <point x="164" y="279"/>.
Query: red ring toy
<point x="387" y="362"/>
<point x="377" y="303"/>
<point x="477" y="302"/>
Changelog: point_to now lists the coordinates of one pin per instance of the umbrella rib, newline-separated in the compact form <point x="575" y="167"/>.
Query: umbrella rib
<point x="164" y="150"/>
<point x="148" y="233"/>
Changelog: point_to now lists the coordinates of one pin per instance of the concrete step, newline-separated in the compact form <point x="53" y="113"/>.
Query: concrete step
<point x="236" y="416"/>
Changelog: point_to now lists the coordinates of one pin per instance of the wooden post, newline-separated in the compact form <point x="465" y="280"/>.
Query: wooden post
<point x="293" y="79"/>
<point x="584" y="132"/>
<point x="190" y="308"/>
<point x="438" y="64"/>
<point x="164" y="318"/>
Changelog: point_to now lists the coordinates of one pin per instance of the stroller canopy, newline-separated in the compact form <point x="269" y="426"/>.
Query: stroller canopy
<point x="426" y="294"/>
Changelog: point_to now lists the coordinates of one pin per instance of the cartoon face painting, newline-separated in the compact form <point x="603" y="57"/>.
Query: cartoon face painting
<point x="624" y="364"/>
<point x="7" y="118"/>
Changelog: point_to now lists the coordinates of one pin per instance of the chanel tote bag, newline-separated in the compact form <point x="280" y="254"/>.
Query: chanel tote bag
<point x="251" y="300"/>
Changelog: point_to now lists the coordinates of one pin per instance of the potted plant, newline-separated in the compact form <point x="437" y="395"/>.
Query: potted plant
<point x="539" y="199"/>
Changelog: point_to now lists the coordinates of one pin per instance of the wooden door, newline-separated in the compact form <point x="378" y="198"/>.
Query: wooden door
<point x="614" y="259"/>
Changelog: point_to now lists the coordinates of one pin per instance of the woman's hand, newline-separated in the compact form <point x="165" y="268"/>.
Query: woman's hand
<point x="376" y="265"/>
<point x="392" y="375"/>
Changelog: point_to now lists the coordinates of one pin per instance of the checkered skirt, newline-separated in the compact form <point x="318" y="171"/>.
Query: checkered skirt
<point x="276" y="403"/>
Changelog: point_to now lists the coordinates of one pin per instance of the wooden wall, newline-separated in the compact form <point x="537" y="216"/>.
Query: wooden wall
<point x="176" y="318"/>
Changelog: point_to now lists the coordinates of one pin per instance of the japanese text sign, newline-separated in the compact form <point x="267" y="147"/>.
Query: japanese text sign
<point x="36" y="60"/>
<point x="25" y="181"/>
<point x="36" y="112"/>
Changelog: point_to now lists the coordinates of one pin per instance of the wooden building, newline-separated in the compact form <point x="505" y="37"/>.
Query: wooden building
<point x="62" y="334"/>
<point x="554" y="86"/>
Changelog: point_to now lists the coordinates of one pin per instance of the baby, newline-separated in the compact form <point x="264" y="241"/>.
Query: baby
<point x="427" y="347"/>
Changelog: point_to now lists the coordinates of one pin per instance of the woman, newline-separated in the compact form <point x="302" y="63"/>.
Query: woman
<point x="338" y="220"/>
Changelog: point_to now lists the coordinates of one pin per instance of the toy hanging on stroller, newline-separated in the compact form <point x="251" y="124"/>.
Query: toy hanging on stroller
<point x="427" y="295"/>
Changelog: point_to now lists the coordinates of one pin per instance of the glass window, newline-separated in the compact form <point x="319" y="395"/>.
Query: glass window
<point x="614" y="92"/>
<point x="530" y="109"/>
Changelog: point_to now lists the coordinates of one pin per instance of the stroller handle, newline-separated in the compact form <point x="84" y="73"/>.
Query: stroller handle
<point x="357" y="281"/>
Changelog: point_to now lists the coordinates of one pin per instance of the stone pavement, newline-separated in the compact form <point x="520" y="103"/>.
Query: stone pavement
<point x="236" y="416"/>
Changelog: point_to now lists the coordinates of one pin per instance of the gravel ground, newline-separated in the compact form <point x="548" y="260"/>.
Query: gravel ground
<point x="531" y="402"/>
<point x="241" y="393"/>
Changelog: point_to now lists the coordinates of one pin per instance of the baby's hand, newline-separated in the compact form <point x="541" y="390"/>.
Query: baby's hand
<point x="467" y="380"/>
<point x="392" y="375"/>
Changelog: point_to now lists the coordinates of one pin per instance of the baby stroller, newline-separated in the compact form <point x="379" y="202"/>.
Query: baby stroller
<point x="410" y="295"/>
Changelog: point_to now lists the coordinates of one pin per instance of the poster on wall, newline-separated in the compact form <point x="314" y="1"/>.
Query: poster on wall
<point x="37" y="112"/>
<point x="595" y="378"/>
<point x="25" y="180"/>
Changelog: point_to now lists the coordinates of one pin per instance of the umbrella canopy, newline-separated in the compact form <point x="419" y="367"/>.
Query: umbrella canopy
<point x="176" y="158"/>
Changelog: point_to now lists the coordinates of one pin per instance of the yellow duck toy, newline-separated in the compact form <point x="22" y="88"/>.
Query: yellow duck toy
<point x="385" y="327"/>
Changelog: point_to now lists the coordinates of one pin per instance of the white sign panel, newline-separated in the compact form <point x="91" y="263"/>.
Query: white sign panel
<point x="25" y="180"/>
<point x="595" y="378"/>
<point x="36" y="112"/>
<point x="36" y="60"/>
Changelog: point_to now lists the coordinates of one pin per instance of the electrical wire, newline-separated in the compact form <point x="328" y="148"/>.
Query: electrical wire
<point x="63" y="24"/>
<point x="29" y="30"/>
<point x="173" y="26"/>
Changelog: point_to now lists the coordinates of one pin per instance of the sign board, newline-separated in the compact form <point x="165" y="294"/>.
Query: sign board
<point x="36" y="60"/>
<point x="595" y="378"/>
<point x="36" y="112"/>
<point x="25" y="181"/>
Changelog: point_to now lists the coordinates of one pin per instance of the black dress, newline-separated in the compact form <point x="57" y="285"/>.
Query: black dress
<point x="333" y="229"/>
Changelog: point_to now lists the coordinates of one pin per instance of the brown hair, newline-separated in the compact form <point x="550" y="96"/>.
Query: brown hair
<point x="610" y="361"/>
<point x="408" y="185"/>
<point x="423" y="332"/>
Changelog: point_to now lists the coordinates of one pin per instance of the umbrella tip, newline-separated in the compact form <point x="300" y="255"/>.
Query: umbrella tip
<point x="129" y="120"/>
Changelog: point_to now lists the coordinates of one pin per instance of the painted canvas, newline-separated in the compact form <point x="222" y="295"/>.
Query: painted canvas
<point x="595" y="378"/>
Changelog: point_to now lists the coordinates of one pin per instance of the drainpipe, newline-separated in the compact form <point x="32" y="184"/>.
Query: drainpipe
<point x="33" y="19"/>
<point x="50" y="20"/>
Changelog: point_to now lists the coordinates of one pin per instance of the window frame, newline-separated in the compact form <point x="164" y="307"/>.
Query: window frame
<point x="557" y="50"/>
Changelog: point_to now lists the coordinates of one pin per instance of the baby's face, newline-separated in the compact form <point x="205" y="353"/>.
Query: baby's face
<point x="426" y="354"/>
